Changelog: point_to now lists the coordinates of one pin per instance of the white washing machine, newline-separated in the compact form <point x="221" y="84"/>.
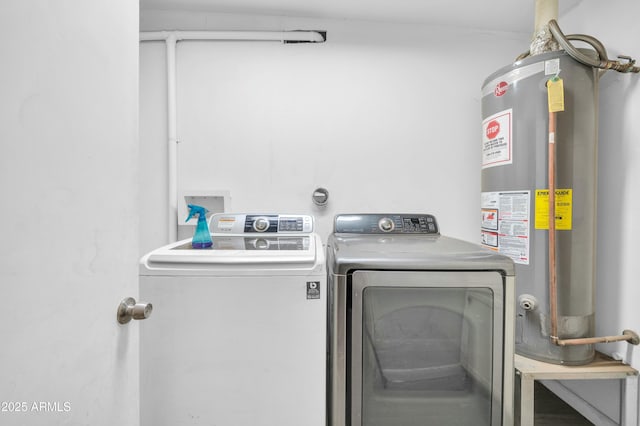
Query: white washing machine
<point x="238" y="333"/>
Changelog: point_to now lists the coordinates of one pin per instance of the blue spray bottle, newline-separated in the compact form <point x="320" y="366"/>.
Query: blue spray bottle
<point x="202" y="237"/>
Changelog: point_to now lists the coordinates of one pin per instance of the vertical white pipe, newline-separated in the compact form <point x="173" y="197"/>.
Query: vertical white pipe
<point x="172" y="151"/>
<point x="546" y="10"/>
<point x="542" y="40"/>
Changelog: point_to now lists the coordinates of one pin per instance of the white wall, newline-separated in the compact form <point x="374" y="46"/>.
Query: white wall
<point x="386" y="117"/>
<point x="69" y="236"/>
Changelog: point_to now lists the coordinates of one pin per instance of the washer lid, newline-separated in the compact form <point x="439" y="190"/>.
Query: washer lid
<point x="240" y="250"/>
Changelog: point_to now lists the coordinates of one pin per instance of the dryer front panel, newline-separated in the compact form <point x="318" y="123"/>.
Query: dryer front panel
<point x="425" y="348"/>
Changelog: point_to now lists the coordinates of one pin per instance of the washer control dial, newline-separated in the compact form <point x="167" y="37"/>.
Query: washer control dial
<point x="261" y="224"/>
<point x="386" y="224"/>
<point x="261" y="244"/>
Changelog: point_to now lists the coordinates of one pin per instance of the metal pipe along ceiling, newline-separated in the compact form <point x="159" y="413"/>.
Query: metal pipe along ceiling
<point x="281" y="36"/>
<point x="171" y="38"/>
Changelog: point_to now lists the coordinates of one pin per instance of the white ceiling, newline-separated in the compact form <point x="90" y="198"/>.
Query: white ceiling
<point x="499" y="15"/>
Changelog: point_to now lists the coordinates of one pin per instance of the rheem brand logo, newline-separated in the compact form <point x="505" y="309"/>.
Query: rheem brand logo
<point x="501" y="88"/>
<point x="493" y="129"/>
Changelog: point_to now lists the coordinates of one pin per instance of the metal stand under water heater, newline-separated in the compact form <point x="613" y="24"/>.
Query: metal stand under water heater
<point x="526" y="151"/>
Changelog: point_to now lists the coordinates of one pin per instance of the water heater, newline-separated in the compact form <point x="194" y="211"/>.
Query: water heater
<point x="515" y="197"/>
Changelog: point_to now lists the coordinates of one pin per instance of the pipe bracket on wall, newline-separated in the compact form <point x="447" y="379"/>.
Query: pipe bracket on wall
<point x="634" y="339"/>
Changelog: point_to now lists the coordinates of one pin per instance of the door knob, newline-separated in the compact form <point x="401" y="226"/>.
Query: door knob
<point x="129" y="309"/>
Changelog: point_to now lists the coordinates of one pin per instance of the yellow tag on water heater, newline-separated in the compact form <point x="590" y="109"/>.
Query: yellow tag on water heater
<point x="555" y="91"/>
<point x="563" y="210"/>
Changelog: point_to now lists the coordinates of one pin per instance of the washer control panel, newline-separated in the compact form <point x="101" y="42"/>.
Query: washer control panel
<point x="260" y="223"/>
<point x="386" y="224"/>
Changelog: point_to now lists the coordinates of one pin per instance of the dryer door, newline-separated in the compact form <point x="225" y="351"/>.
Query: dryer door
<point x="426" y="348"/>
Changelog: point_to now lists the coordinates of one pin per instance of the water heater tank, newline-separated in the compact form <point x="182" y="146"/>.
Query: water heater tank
<point x="515" y="197"/>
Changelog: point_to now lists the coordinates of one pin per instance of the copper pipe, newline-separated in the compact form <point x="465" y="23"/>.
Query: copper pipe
<point x="553" y="283"/>
<point x="627" y="336"/>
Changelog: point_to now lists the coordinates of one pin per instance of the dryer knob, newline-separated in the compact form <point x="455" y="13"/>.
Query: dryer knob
<point x="386" y="224"/>
<point x="261" y="224"/>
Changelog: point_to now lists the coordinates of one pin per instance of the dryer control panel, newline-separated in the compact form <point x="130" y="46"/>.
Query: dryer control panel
<point x="260" y="223"/>
<point x="386" y="224"/>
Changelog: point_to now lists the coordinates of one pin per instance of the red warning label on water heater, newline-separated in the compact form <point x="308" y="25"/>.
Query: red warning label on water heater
<point x="497" y="143"/>
<point x="493" y="129"/>
<point x="501" y="88"/>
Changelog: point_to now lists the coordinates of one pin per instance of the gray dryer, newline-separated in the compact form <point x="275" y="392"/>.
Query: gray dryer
<point x="421" y="325"/>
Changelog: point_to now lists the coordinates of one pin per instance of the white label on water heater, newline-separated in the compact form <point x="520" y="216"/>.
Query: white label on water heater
<point x="552" y="67"/>
<point x="505" y="223"/>
<point x="497" y="146"/>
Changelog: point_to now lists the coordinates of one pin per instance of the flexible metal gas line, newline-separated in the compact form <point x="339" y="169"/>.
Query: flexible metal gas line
<point x="603" y="62"/>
